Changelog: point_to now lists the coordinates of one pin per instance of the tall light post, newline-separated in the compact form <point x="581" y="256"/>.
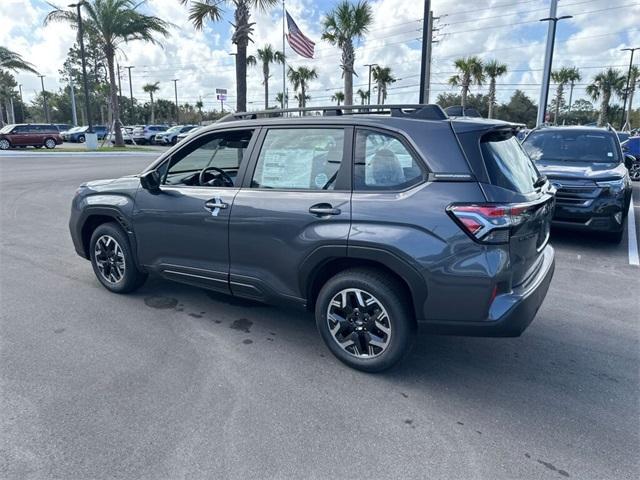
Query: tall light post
<point x="175" y="88"/>
<point x="626" y="92"/>
<point x="44" y="99"/>
<point x="548" y="59"/>
<point x="85" y="81"/>
<point x="21" y="104"/>
<point x="370" y="65"/>
<point x="131" y="119"/>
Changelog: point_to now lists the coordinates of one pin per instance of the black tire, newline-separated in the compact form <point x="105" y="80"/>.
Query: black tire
<point x="131" y="277"/>
<point x="386" y="292"/>
<point x="81" y="139"/>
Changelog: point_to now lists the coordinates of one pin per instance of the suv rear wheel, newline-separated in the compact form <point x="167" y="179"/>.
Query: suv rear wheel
<point x="50" y="143"/>
<point x="112" y="259"/>
<point x="364" y="320"/>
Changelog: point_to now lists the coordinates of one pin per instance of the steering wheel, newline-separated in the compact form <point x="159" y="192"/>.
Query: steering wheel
<point x="220" y="178"/>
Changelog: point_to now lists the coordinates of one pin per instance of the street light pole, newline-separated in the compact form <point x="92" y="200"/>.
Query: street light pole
<point x="131" y="119"/>
<point x="44" y="99"/>
<point x="85" y="81"/>
<point x="21" y="103"/>
<point x="626" y="92"/>
<point x="548" y="59"/>
<point x="370" y="65"/>
<point x="175" y="88"/>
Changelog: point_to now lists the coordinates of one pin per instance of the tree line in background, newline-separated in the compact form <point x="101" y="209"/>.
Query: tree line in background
<point x="111" y="23"/>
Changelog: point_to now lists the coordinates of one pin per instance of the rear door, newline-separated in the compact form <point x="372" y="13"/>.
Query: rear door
<point x="295" y="202"/>
<point x="514" y="179"/>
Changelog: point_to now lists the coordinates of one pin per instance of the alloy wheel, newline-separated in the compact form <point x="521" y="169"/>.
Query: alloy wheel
<point x="359" y="323"/>
<point x="4" y="144"/>
<point x="50" y="143"/>
<point x="634" y="172"/>
<point x="109" y="259"/>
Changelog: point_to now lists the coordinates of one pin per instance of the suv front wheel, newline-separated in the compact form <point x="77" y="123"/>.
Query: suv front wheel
<point x="364" y="319"/>
<point x="5" y="144"/>
<point x="112" y="259"/>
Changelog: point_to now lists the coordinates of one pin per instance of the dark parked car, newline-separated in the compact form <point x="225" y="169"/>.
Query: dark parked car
<point x="77" y="134"/>
<point x="631" y="147"/>
<point x="587" y="166"/>
<point x="377" y="223"/>
<point x="29" y="135"/>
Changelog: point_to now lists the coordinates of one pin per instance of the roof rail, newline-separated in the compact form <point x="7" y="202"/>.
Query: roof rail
<point x="414" y="111"/>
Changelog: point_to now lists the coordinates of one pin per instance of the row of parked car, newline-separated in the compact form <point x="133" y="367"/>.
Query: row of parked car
<point x="154" y="134"/>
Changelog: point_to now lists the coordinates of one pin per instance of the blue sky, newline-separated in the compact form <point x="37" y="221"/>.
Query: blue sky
<point x="506" y="30"/>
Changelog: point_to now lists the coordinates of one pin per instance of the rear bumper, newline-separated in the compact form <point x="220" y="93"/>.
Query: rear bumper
<point x="510" y="313"/>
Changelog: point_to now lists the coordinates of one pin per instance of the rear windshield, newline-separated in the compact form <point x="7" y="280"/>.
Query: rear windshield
<point x="571" y="146"/>
<point x="507" y="164"/>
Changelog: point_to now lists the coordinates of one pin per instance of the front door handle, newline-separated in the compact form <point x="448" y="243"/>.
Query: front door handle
<point x="322" y="209"/>
<point x="215" y="204"/>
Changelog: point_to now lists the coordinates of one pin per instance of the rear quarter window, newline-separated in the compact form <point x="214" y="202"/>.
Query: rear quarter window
<point x="507" y="163"/>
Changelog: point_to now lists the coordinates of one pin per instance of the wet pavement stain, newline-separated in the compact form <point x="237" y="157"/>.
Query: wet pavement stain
<point x="552" y="467"/>
<point x="270" y="339"/>
<point x="409" y="422"/>
<point x="161" y="303"/>
<point x="247" y="341"/>
<point x="59" y="330"/>
<point x="404" y="395"/>
<point x="218" y="321"/>
<point x="242" y="324"/>
<point x="231" y="300"/>
<point x="460" y="423"/>
<point x="195" y="315"/>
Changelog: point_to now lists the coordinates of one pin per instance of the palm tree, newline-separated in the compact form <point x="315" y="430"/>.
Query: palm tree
<point x="338" y="97"/>
<point x="281" y="99"/>
<point x="561" y="77"/>
<point x="113" y="22"/>
<point x="152" y="88"/>
<point x="634" y="76"/>
<point x="10" y="60"/>
<point x="382" y="76"/>
<point x="493" y="69"/>
<point x="302" y="100"/>
<point x="267" y="55"/>
<point x="300" y="79"/>
<point x="199" y="106"/>
<point x="364" y="96"/>
<point x="345" y="23"/>
<point x="203" y="10"/>
<point x="574" y="76"/>
<point x="605" y="84"/>
<point x="470" y="73"/>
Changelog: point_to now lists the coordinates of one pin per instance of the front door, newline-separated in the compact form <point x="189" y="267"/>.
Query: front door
<point x="182" y="232"/>
<point x="295" y="203"/>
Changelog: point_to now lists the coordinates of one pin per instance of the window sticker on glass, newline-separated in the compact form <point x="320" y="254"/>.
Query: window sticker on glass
<point x="287" y="168"/>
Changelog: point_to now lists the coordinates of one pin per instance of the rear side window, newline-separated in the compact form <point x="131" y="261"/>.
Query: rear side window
<point x="300" y="159"/>
<point x="507" y="164"/>
<point x="382" y="162"/>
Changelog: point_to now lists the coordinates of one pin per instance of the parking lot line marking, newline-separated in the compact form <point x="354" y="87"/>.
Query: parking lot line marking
<point x="633" y="240"/>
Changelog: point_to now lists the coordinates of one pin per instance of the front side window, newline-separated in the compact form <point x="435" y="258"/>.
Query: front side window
<point x="300" y="159"/>
<point x="382" y="162"/>
<point x="211" y="161"/>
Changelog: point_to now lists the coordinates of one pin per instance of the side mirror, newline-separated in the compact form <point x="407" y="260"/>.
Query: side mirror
<point x="150" y="181"/>
<point x="629" y="160"/>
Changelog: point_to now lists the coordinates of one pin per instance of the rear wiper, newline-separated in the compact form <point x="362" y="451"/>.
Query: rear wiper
<point x="542" y="179"/>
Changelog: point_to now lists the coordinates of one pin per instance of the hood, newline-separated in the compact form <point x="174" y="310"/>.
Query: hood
<point x="111" y="184"/>
<point x="581" y="170"/>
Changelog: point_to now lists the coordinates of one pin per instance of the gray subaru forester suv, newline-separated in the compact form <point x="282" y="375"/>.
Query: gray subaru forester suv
<point x="378" y="221"/>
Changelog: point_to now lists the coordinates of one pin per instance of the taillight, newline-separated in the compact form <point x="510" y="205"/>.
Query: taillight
<point x="488" y="223"/>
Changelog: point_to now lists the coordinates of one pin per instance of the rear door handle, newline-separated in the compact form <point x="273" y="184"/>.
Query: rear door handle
<point x="322" y="209"/>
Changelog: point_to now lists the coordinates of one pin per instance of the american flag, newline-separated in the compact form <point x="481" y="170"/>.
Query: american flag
<point x="300" y="44"/>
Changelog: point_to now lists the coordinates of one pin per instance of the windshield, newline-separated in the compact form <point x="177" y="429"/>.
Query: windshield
<point x="6" y="128"/>
<point x="507" y="164"/>
<point x="568" y="146"/>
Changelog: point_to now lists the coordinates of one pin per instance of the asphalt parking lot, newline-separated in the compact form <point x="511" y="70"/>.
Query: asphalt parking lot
<point x="172" y="382"/>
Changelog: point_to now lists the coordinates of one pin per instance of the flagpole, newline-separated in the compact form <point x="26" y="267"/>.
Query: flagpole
<point x="284" y="61"/>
